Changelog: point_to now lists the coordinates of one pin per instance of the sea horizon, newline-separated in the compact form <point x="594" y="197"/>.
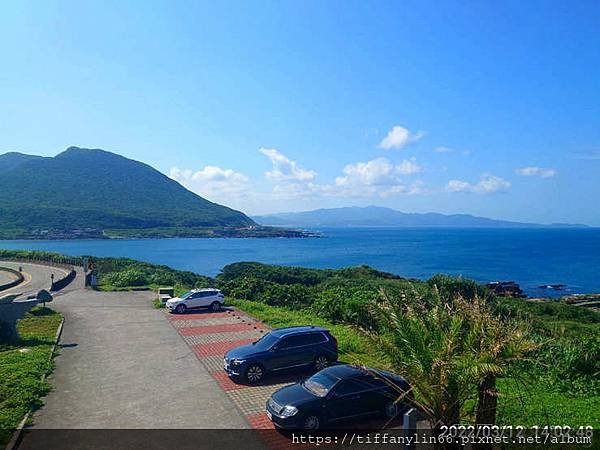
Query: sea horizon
<point x="531" y="257"/>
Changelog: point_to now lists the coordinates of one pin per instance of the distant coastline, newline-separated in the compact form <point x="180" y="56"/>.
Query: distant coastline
<point x="156" y="233"/>
<point x="378" y="216"/>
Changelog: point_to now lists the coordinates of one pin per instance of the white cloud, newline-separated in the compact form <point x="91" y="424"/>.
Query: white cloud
<point x="534" y="171"/>
<point x="377" y="172"/>
<point x="378" y="177"/>
<point x="399" y="137"/>
<point x="408" y="167"/>
<point x="414" y="188"/>
<point x="212" y="182"/>
<point x="284" y="168"/>
<point x="488" y="184"/>
<point x="459" y="186"/>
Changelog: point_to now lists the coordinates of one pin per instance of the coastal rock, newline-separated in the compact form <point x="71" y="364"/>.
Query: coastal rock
<point x="506" y="289"/>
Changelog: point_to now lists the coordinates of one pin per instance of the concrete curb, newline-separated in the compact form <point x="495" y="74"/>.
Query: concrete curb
<point x="16" y="437"/>
<point x="13" y="283"/>
<point x="64" y="281"/>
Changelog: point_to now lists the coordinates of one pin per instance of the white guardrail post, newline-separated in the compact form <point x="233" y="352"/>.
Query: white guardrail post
<point x="409" y="426"/>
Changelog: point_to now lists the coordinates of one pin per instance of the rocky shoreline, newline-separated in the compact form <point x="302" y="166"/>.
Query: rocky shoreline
<point x="157" y="233"/>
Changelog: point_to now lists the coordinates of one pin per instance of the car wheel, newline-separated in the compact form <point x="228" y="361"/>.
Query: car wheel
<point x="215" y="306"/>
<point x="311" y="422"/>
<point x="321" y="362"/>
<point x="180" y="309"/>
<point x="254" y="373"/>
<point x="391" y="410"/>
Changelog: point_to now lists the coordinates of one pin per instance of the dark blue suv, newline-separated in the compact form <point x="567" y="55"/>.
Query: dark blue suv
<point x="283" y="348"/>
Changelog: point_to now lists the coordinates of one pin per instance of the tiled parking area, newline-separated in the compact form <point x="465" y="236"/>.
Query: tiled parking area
<point x="210" y="335"/>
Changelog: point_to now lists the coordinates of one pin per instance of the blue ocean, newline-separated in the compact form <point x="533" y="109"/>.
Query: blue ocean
<point x="531" y="257"/>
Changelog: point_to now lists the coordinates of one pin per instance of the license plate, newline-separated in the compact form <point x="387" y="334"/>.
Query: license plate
<point x="269" y="415"/>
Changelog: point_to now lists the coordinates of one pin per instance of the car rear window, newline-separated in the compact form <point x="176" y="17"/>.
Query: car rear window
<point x="266" y="342"/>
<point x="319" y="384"/>
<point x="316" y="338"/>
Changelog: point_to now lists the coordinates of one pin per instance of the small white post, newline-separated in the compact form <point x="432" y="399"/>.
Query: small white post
<point x="409" y="426"/>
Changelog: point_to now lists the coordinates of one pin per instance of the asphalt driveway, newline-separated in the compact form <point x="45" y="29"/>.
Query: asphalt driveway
<point x="122" y="365"/>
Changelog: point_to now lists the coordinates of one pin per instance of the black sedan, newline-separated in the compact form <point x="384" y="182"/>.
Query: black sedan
<point x="338" y="393"/>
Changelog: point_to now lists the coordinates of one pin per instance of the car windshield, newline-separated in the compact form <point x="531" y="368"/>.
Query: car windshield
<point x="266" y="342"/>
<point x="319" y="384"/>
<point x="187" y="294"/>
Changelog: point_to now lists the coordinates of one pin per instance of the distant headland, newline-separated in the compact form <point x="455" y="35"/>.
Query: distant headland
<point x="94" y="194"/>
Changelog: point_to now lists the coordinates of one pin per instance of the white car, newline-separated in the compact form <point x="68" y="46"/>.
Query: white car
<point x="196" y="298"/>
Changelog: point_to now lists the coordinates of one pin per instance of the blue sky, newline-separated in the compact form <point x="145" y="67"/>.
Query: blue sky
<point x="489" y="108"/>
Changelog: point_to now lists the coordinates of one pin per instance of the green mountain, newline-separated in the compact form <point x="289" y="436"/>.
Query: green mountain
<point x="11" y="160"/>
<point x="84" y="189"/>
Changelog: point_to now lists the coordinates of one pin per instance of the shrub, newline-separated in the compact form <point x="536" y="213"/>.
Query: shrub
<point x="452" y="287"/>
<point x="125" y="278"/>
<point x="124" y="272"/>
<point x="295" y="296"/>
<point x="344" y="306"/>
<point x="274" y="274"/>
<point x="573" y="365"/>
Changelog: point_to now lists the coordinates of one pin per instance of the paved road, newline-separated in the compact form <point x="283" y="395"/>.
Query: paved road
<point x="36" y="277"/>
<point x="6" y="277"/>
<point x="122" y="365"/>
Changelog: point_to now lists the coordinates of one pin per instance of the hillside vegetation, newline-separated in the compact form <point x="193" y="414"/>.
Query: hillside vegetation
<point x="558" y="381"/>
<point x="83" y="189"/>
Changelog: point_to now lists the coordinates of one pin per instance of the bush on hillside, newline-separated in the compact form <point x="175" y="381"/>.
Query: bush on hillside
<point x="551" y="309"/>
<point x="274" y="274"/>
<point x="341" y="305"/>
<point x="571" y="364"/>
<point x="124" y="272"/>
<point x="452" y="287"/>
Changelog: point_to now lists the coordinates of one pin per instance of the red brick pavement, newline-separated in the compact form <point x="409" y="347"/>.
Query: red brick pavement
<point x="260" y="421"/>
<point x="199" y="315"/>
<point x="218" y="348"/>
<point x="273" y="438"/>
<point x="240" y="322"/>
<point x="224" y="328"/>
<point x="225" y="382"/>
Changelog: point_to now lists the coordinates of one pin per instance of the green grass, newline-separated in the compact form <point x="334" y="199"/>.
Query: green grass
<point x="112" y="288"/>
<point x="532" y="401"/>
<point x="352" y="346"/>
<point x="20" y="373"/>
<point x="538" y="403"/>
